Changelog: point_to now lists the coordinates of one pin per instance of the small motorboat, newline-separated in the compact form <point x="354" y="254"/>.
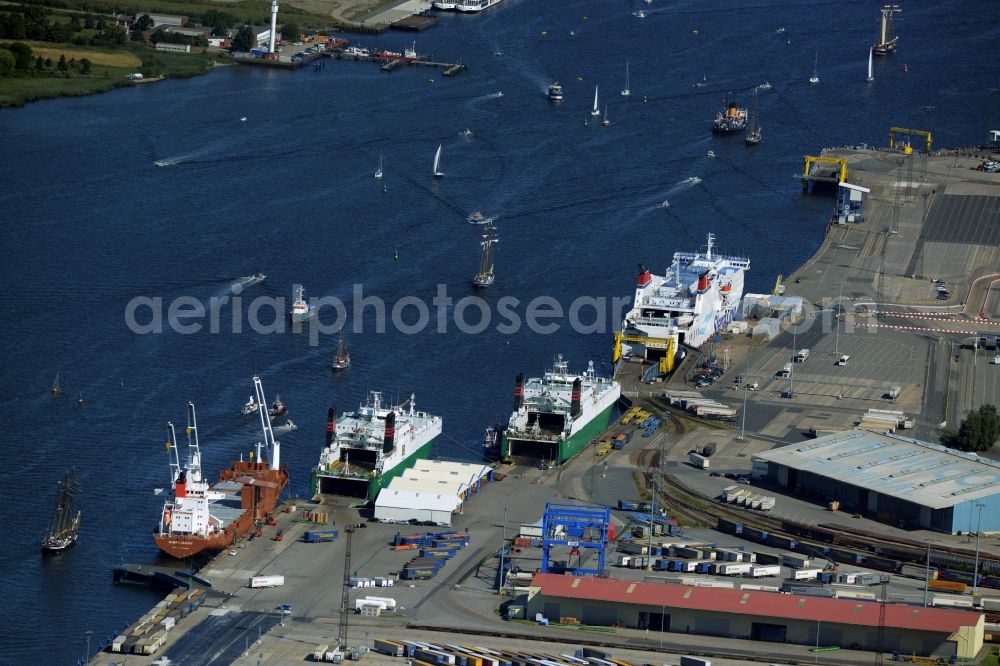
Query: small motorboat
<point x="639" y="14"/>
<point x="711" y="155"/>
<point x="278" y="408"/>
<point x="466" y="132"/>
<point x="249" y="408"/>
<point x="479" y="218"/>
<point x="764" y="87"/>
<point x="499" y="93"/>
<point x="781" y="29"/>
<point x="665" y="204"/>
<point x="161" y="163"/>
<point x="243" y="119"/>
<point x="287" y="426"/>
<point x="301" y="310"/>
<point x="248" y="280"/>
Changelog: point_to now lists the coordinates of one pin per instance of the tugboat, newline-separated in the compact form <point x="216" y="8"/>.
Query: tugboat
<point x="301" y="311"/>
<point x="479" y="218"/>
<point x="63" y="530"/>
<point x="278" y="408"/>
<point x="753" y="135"/>
<point x="887" y="39"/>
<point x="731" y="119"/>
<point x="485" y="277"/>
<point x="555" y="92"/>
<point x="343" y="358"/>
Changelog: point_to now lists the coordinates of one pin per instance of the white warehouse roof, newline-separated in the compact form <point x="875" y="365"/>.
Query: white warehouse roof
<point x="410" y="499"/>
<point x="927" y="474"/>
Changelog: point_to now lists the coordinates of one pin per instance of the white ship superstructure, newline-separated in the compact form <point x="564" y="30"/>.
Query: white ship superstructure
<point x="555" y="415"/>
<point x="698" y="296"/>
<point x="464" y="5"/>
<point x="364" y="450"/>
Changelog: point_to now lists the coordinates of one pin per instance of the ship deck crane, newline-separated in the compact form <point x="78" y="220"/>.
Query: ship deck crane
<point x="779" y="288"/>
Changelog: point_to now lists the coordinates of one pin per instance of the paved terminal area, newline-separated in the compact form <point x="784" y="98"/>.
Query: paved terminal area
<point x="907" y="337"/>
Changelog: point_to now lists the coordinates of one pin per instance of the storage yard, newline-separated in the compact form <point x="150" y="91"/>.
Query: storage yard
<point x="734" y="501"/>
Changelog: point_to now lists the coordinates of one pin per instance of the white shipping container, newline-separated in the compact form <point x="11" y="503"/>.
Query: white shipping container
<point x="388" y="601"/>
<point x="729" y="569"/>
<point x="365" y="603"/>
<point x="806" y="574"/>
<point x="623" y="560"/>
<point x="951" y="601"/>
<point x="990" y="603"/>
<point x="762" y="571"/>
<point x="267" y="581"/>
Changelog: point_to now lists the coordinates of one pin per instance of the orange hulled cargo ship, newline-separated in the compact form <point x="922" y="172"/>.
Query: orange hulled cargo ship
<point x="209" y="518"/>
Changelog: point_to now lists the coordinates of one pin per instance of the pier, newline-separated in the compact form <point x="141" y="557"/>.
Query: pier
<point x="389" y="61"/>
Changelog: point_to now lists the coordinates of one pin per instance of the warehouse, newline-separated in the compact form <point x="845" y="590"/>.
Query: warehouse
<point x="756" y="615"/>
<point x="898" y="480"/>
<point x="431" y="491"/>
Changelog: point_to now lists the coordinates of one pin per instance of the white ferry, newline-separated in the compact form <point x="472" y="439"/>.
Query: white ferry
<point x="698" y="295"/>
<point x="464" y="5"/>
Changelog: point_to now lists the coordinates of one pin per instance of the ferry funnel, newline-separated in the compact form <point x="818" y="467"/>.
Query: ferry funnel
<point x="519" y="391"/>
<point x="645" y="277"/>
<point x="331" y="425"/>
<point x="389" y="439"/>
<point x="574" y="408"/>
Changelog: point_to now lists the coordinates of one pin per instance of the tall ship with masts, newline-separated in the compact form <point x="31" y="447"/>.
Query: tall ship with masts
<point x="203" y="517"/>
<point x="65" y="519"/>
<point x="887" y="37"/>
<point x="753" y="135"/>
<point x="485" y="276"/>
<point x="366" y="449"/>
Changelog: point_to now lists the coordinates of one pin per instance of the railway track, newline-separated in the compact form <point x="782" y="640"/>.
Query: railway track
<point x="833" y="541"/>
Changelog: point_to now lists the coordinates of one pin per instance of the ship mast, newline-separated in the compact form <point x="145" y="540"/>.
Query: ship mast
<point x="194" y="451"/>
<point x="175" y="465"/>
<point x="486" y="260"/>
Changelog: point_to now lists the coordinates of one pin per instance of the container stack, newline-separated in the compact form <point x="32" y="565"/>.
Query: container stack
<point x="147" y="635"/>
<point x="435" y="549"/>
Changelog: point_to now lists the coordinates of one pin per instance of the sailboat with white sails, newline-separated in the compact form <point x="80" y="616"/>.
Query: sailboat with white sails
<point x="815" y="77"/>
<point x="437" y="163"/>
<point x="597" y="109"/>
<point x="626" y="92"/>
<point x="871" y="76"/>
<point x="378" y="173"/>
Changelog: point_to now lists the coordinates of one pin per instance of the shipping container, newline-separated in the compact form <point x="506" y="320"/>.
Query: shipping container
<point x="768" y="558"/>
<point x="990" y="603"/>
<point x="805" y="574"/>
<point x="317" y="536"/>
<point x="795" y="561"/>
<point x="731" y="569"/>
<point x="947" y="586"/>
<point x="266" y="581"/>
<point x="951" y="601"/>
<point x="694" y="661"/>
<point x="763" y="571"/>
<point x="391" y="648"/>
<point x="699" y="461"/>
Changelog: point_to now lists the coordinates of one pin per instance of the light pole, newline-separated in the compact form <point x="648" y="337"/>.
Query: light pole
<point x="975" y="569"/>
<point x="743" y="424"/>
<point x="503" y="546"/>
<point x="927" y="574"/>
<point x="836" y="314"/>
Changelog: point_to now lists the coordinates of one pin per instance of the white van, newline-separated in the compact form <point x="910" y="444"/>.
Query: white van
<point x="843" y="360"/>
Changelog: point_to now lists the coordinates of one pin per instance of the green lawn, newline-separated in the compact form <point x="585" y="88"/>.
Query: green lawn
<point x="16" y="91"/>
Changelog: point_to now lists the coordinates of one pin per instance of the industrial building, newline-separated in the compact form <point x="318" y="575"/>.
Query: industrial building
<point x="898" y="480"/>
<point x="432" y="490"/>
<point x="756" y="615"/>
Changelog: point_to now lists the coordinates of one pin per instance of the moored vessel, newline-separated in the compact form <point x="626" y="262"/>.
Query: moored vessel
<point x="65" y="523"/>
<point x="731" y="119"/>
<point x="887" y="38"/>
<point x="695" y="298"/>
<point x="485" y="276"/>
<point x="557" y="414"/>
<point x="366" y="449"/>
<point x="209" y="518"/>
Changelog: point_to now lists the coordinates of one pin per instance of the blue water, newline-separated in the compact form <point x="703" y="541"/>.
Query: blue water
<point x="90" y="223"/>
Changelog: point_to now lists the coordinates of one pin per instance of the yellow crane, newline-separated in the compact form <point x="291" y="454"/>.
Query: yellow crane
<point x="928" y="139"/>
<point x="779" y="288"/>
<point x="813" y="159"/>
<point x="668" y="345"/>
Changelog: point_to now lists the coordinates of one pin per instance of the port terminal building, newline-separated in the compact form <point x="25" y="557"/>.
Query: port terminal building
<point x="897" y="480"/>
<point x="755" y="615"/>
<point x="432" y="490"/>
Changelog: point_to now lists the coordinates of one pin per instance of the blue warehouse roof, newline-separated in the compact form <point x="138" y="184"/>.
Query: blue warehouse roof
<point x="927" y="474"/>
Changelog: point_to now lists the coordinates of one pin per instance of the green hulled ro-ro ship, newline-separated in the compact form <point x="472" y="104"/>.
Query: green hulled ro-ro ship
<point x="366" y="449"/>
<point x="557" y="414"/>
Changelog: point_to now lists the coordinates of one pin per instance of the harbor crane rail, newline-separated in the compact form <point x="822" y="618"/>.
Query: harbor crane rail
<point x="928" y="138"/>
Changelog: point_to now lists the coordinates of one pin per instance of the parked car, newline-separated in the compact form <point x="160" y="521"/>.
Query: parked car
<point x="714" y="474"/>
